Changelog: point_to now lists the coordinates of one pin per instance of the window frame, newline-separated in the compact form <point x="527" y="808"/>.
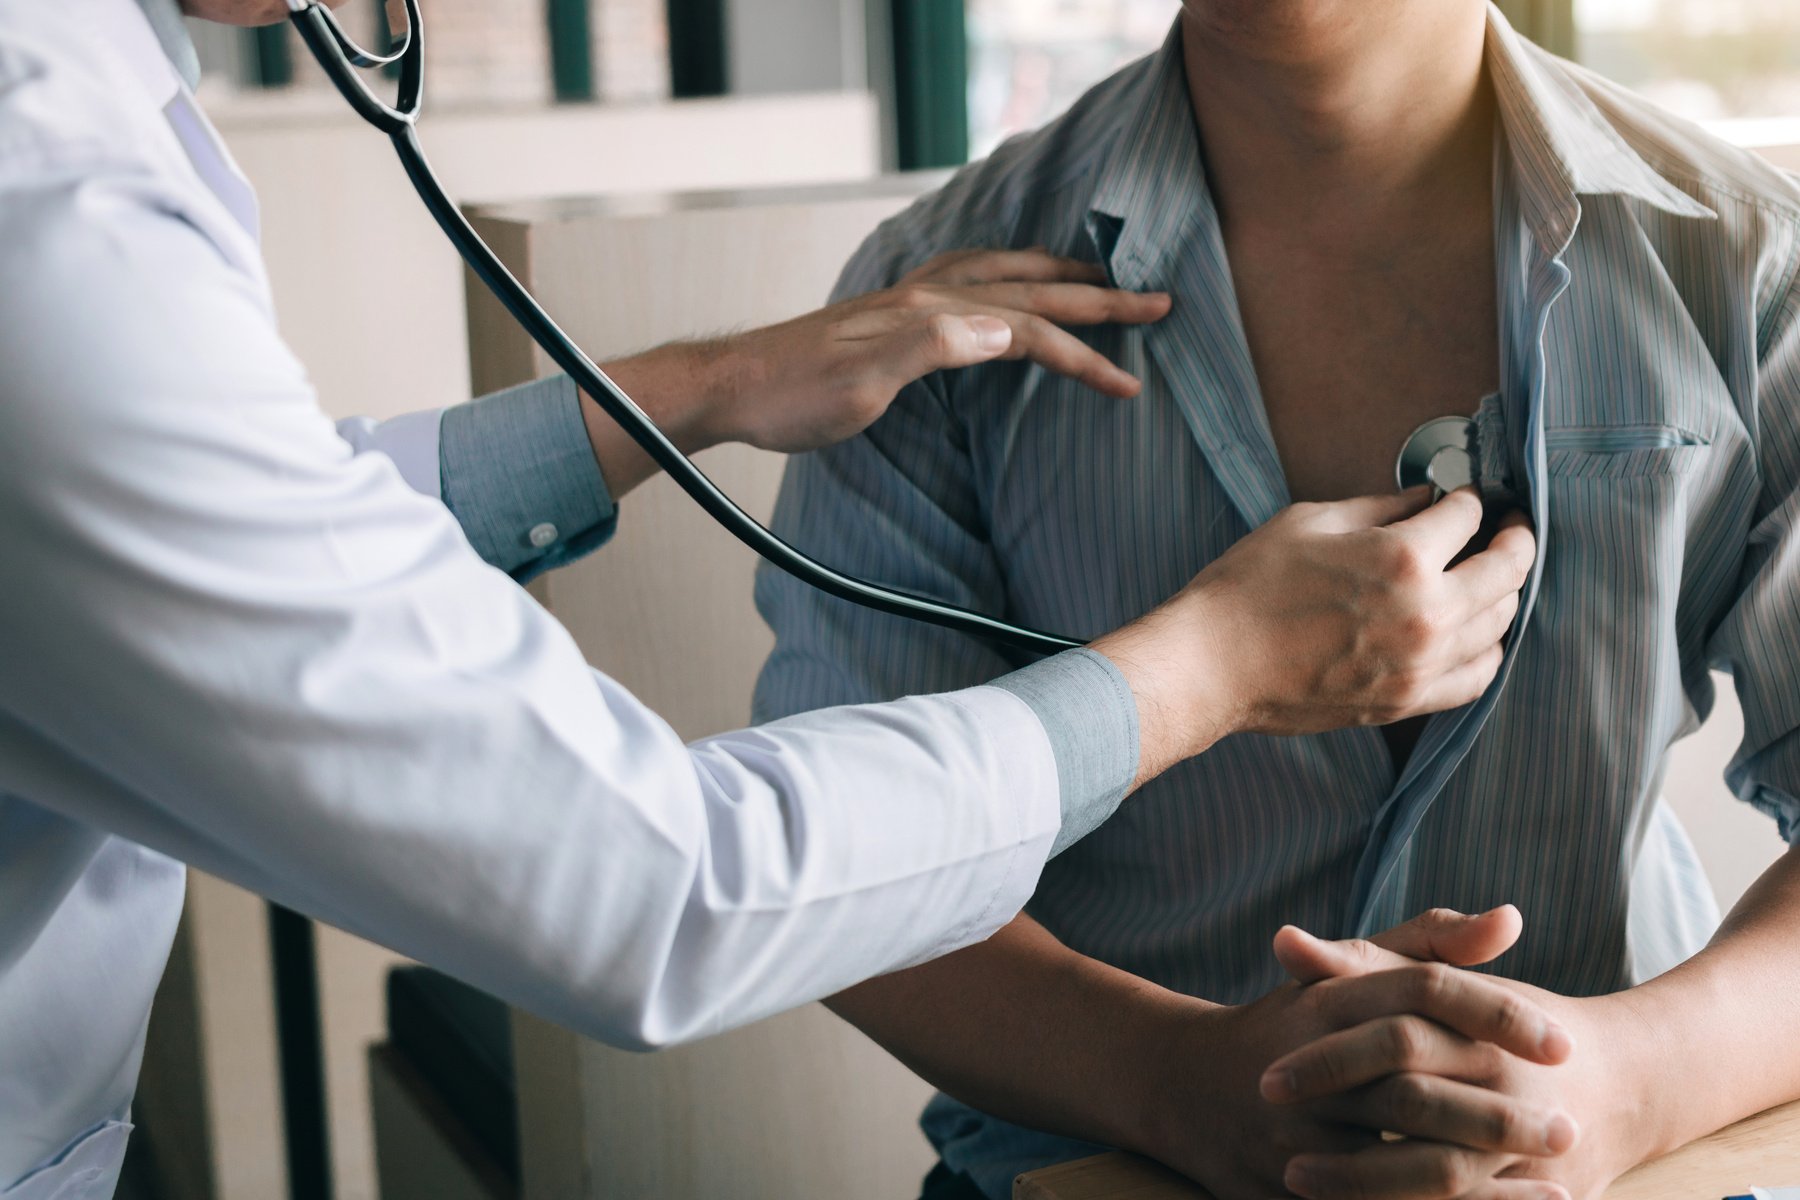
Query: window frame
<point x="1549" y="23"/>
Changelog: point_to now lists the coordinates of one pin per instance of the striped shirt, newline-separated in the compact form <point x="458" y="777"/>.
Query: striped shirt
<point x="1650" y="414"/>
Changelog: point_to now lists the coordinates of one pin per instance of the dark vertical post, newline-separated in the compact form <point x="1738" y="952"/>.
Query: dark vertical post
<point x="1558" y="21"/>
<point x="299" y="1039"/>
<point x="1549" y="23"/>
<point x="931" y="83"/>
<point x="389" y="20"/>
<point x="699" y="63"/>
<point x="571" y="49"/>
<point x="271" y="55"/>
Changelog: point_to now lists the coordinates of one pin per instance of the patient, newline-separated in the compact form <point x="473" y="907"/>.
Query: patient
<point x="1370" y="213"/>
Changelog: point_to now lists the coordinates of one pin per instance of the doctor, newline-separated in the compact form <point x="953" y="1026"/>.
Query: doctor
<point x="235" y="635"/>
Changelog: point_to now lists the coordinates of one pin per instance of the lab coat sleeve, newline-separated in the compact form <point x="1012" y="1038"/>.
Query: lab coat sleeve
<point x="1759" y="640"/>
<point x="226" y="635"/>
<point x="515" y="468"/>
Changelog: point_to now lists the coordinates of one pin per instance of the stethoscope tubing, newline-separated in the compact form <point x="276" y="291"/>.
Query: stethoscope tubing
<point x="339" y="57"/>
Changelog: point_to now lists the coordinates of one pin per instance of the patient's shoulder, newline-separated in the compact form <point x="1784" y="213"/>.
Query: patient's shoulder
<point x="1692" y="158"/>
<point x="1028" y="192"/>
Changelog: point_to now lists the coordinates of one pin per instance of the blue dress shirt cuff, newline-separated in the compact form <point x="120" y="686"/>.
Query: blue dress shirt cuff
<point x="518" y="472"/>
<point x="1088" y="710"/>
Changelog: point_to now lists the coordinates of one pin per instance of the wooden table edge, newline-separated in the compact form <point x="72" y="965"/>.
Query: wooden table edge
<point x="1759" y="1151"/>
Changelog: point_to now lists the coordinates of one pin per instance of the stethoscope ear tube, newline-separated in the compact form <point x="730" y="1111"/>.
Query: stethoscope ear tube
<point x="336" y="52"/>
<point x="339" y="56"/>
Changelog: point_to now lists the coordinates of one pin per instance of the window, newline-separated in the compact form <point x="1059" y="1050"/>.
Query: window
<point x="480" y="54"/>
<point x="1030" y="59"/>
<point x="1707" y="60"/>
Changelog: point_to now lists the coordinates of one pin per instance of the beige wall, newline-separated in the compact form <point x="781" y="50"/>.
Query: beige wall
<point x="1785" y="156"/>
<point x="370" y="295"/>
<point x="1736" y="842"/>
<point x="372" y="301"/>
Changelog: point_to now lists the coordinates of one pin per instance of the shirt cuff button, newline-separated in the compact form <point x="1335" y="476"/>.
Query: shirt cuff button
<point x="542" y="536"/>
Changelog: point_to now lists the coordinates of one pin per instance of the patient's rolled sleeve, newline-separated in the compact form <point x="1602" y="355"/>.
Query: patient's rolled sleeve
<point x="1088" y="711"/>
<point x="519" y="473"/>
<point x="1759" y="639"/>
<point x="1779" y="804"/>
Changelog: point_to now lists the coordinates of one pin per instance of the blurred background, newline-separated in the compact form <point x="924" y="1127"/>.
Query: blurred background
<point x="1709" y="60"/>
<point x="534" y="102"/>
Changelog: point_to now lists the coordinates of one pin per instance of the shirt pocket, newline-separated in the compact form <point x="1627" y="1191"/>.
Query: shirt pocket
<point x="1623" y="451"/>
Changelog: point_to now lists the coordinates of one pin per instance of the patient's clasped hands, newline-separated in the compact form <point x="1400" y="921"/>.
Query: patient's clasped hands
<point x="1486" y="1089"/>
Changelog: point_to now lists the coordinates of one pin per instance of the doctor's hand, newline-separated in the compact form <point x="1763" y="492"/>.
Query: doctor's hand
<point x="1329" y="615"/>
<point x="828" y="375"/>
<point x="1208" y="1115"/>
<point x="1471" y="1110"/>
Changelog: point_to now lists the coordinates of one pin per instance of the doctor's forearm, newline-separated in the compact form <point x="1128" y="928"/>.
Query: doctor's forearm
<point x="1717" y="1042"/>
<point x="680" y="386"/>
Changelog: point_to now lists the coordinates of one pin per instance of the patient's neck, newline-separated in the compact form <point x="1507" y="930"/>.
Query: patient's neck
<point x="1337" y="115"/>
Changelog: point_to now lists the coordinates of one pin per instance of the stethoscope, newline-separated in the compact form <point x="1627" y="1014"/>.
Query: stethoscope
<point x="1440" y="454"/>
<point x="339" y="56"/>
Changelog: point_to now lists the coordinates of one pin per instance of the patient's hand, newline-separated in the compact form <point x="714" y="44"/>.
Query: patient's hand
<point x="1212" y="1121"/>
<point x="1481" y="1107"/>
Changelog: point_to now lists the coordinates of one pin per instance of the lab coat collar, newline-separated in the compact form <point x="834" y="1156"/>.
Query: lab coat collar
<point x="131" y="35"/>
<point x="170" y="28"/>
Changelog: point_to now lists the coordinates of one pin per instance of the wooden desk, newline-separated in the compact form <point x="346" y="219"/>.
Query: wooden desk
<point x="1763" y="1151"/>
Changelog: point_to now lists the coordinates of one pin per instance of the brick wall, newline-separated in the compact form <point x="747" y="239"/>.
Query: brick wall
<point x="487" y="51"/>
<point x="631" y="49"/>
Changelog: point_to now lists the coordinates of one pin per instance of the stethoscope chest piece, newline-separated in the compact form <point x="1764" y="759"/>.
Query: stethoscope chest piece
<point x="1440" y="453"/>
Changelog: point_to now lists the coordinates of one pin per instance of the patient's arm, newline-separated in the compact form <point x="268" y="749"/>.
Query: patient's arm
<point x="1027" y="1029"/>
<point x="1031" y="1031"/>
<point x="1717" y="1033"/>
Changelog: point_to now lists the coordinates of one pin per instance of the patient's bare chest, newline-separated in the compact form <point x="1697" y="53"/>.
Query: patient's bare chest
<point x="1353" y="353"/>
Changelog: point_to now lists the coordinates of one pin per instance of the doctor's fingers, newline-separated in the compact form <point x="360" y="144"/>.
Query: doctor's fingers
<point x="1067" y="303"/>
<point x="1460" y="685"/>
<point x="898" y="345"/>
<point x="1436" y="536"/>
<point x="1474" y="634"/>
<point x="1499" y="570"/>
<point x="1367" y="512"/>
<point x="1476" y="1006"/>
<point x="1413" y="1170"/>
<point x="1421" y="1105"/>
<point x="963" y="268"/>
<point x="1056" y="349"/>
